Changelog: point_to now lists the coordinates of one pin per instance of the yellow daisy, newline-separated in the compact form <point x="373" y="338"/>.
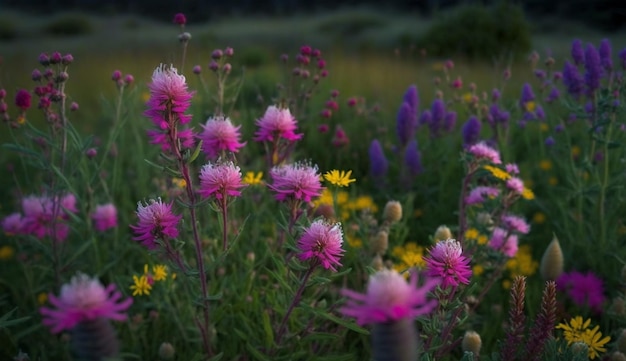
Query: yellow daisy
<point x="140" y="286"/>
<point x="160" y="272"/>
<point x="253" y="178"/>
<point x="339" y="178"/>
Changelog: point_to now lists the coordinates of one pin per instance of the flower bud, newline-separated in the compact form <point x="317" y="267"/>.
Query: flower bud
<point x="227" y="68"/>
<point x="380" y="242"/>
<point x="217" y="54"/>
<point x="184" y="37"/>
<point x="166" y="351"/>
<point x="552" y="261"/>
<point x="442" y="233"/>
<point x="471" y="342"/>
<point x="392" y="212"/>
<point x="197" y="69"/>
<point x="229" y="51"/>
<point x="67" y="59"/>
<point x="377" y="262"/>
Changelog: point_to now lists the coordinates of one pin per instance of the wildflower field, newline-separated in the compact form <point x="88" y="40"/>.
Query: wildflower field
<point x="312" y="204"/>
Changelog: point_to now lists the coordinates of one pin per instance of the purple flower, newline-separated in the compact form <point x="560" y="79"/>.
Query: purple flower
<point x="539" y="113"/>
<point x="578" y="54"/>
<point x="585" y="290"/>
<point x="156" y="222"/>
<point x="221" y="180"/>
<point x="406" y="123"/>
<point x="413" y="158"/>
<point x="605" y="55"/>
<point x="482" y="151"/>
<point x="321" y="242"/>
<point x="22" y="99"/>
<point x="495" y="95"/>
<point x="504" y="242"/>
<point x="527" y="96"/>
<point x="549" y="141"/>
<point x="572" y="80"/>
<point x="516" y="185"/>
<point x="449" y="121"/>
<point x="277" y="123"/>
<point x="299" y="181"/>
<point x="378" y="161"/>
<point x="471" y="131"/>
<point x="389" y="298"/>
<point x="593" y="69"/>
<point x="622" y="58"/>
<point x="516" y="224"/>
<point x="104" y="217"/>
<point x="220" y="135"/>
<point x="12" y="224"/>
<point x="438" y="113"/>
<point x="411" y="97"/>
<point x="478" y="194"/>
<point x="553" y="95"/>
<point x="425" y="118"/>
<point x="446" y="261"/>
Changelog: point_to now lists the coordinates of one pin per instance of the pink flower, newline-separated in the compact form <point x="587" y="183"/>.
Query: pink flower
<point x="220" y="135"/>
<point x="220" y="180"/>
<point x="504" y="242"/>
<point x="185" y="137"/>
<point x="104" y="217"/>
<point x="389" y="298"/>
<point x="156" y="222"/>
<point x="586" y="290"/>
<point x="40" y="219"/>
<point x="478" y="194"/>
<point x="512" y="168"/>
<point x="12" y="224"/>
<point x="483" y="151"/>
<point x="322" y="242"/>
<point x="516" y="185"/>
<point x="299" y="181"/>
<point x="515" y="223"/>
<point x="446" y="261"/>
<point x="276" y="123"/>
<point x="22" y="99"/>
<point x="84" y="299"/>
<point x="180" y="19"/>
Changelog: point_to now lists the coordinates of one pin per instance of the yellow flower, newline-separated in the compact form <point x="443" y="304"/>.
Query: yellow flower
<point x="179" y="182"/>
<point x="545" y="164"/>
<point x="530" y="106"/>
<point x="6" y="253"/>
<point x="418" y="213"/>
<point x="354" y="242"/>
<point x="506" y="284"/>
<point x="42" y="297"/>
<point x="21" y="119"/>
<point x="539" y="218"/>
<point x="553" y="181"/>
<point x="478" y="270"/>
<point x="544" y="127"/>
<point x="160" y="272"/>
<point x="468" y="97"/>
<point x="575" y="151"/>
<point x="497" y="172"/>
<point x="482" y="239"/>
<point x="141" y="286"/>
<point x="578" y="330"/>
<point x="411" y="255"/>
<point x="528" y="194"/>
<point x="325" y="198"/>
<point x="523" y="263"/>
<point x="471" y="233"/>
<point x="339" y="178"/>
<point x="252" y="178"/>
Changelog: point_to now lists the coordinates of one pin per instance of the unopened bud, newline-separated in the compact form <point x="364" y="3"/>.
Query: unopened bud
<point x="471" y="342"/>
<point x="377" y="262"/>
<point x="227" y="68"/>
<point x="442" y="233"/>
<point x="229" y="51"/>
<point x="184" y="37"/>
<point x="380" y="242"/>
<point x="166" y="351"/>
<point x="580" y="348"/>
<point x="392" y="212"/>
<point x="552" y="261"/>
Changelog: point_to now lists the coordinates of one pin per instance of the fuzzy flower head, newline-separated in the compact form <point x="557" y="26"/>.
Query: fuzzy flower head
<point x="322" y="243"/>
<point x="389" y="297"/>
<point x="220" y="135"/>
<point x="447" y="262"/>
<point x="478" y="194"/>
<point x="299" y="181"/>
<point x="275" y="124"/>
<point x="221" y="180"/>
<point x="156" y="222"/>
<point x="584" y="289"/>
<point x="482" y="151"/>
<point x="104" y="217"/>
<point x="84" y="299"/>
<point x="516" y="224"/>
<point x="12" y="224"/>
<point x="504" y="242"/>
<point x="46" y="216"/>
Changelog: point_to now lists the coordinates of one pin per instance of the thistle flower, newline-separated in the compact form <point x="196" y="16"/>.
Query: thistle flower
<point x="447" y="262"/>
<point x="40" y="218"/>
<point x="378" y="161"/>
<point x="104" y="217"/>
<point x="389" y="298"/>
<point x="516" y="185"/>
<point x="220" y="135"/>
<point x="299" y="181"/>
<point x="516" y="224"/>
<point x="484" y="152"/>
<point x="22" y="99"/>
<point x="84" y="299"/>
<point x="12" y="224"/>
<point x="156" y="222"/>
<point x="221" y="180"/>
<point x="504" y="242"/>
<point x="593" y="69"/>
<point x="322" y="243"/>
<point x="471" y="131"/>
<point x="276" y="123"/>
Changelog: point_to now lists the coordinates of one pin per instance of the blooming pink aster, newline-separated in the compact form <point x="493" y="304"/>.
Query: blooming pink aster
<point x="12" y="224"/>
<point x="503" y="241"/>
<point x="220" y="180"/>
<point x="156" y="221"/>
<point x="276" y="123"/>
<point x="516" y="185"/>
<point x="299" y="181"/>
<point x="483" y="151"/>
<point x="515" y="223"/>
<point x="446" y="261"/>
<point x="220" y="135"/>
<point x="322" y="242"/>
<point x="389" y="298"/>
<point x="585" y="290"/>
<point x="104" y="217"/>
<point x="478" y="194"/>
<point x="84" y="299"/>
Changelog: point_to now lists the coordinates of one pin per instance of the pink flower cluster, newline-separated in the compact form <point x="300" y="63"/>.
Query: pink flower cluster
<point x="220" y="180"/>
<point x="220" y="135"/>
<point x="482" y="151"/>
<point x="446" y="261"/>
<point x="478" y="194"/>
<point x="389" y="298"/>
<point x="156" y="222"/>
<point x="277" y="123"/>
<point x="504" y="241"/>
<point x="84" y="299"/>
<point x="322" y="243"/>
<point x="584" y="289"/>
<point x="104" y="217"/>
<point x="299" y="181"/>
<point x="42" y="217"/>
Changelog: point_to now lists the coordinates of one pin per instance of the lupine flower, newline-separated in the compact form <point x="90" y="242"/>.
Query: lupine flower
<point x="553" y="95"/>
<point x="471" y="131"/>
<point x="220" y="180"/>
<point x="447" y="262"/>
<point x="84" y="299"/>
<point x="12" y="224"/>
<point x="220" y="135"/>
<point x="438" y="114"/>
<point x="413" y="158"/>
<point x="339" y="178"/>
<point x="622" y="58"/>
<point x="378" y="161"/>
<point x="515" y="223"/>
<point x="578" y="54"/>
<point x="406" y="123"/>
<point x="275" y="124"/>
<point x="527" y="96"/>
<point x="573" y="80"/>
<point x="483" y="151"/>
<point x="299" y="181"/>
<point x="585" y="289"/>
<point x="321" y="242"/>
<point x="541" y="115"/>
<point x="549" y="141"/>
<point x="605" y="55"/>
<point x="390" y="298"/>
<point x="504" y="242"/>
<point x="449" y="121"/>
<point x="593" y="69"/>
<point x="104" y="217"/>
<point x="156" y="222"/>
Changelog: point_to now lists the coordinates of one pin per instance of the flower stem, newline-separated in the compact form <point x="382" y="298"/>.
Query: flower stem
<point x="224" y="222"/>
<point x="294" y="303"/>
<point x="463" y="205"/>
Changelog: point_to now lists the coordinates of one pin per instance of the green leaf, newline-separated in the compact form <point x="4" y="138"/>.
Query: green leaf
<point x="269" y="332"/>
<point x="286" y="287"/>
<point x="256" y="353"/>
<point x="345" y="323"/>
<point x="217" y="357"/>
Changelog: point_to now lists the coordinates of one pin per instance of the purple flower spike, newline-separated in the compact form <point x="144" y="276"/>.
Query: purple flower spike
<point x="412" y="98"/>
<point x="413" y="158"/>
<point x="378" y="162"/>
<point x="471" y="131"/>
<point x="406" y="122"/>
<point x="449" y="121"/>
<point x="572" y="80"/>
<point x="622" y="58"/>
<point x="527" y="95"/>
<point x="605" y="55"/>
<point x="593" y="70"/>
<point x="578" y="54"/>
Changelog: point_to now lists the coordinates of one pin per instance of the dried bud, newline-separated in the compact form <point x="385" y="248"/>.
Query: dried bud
<point x="552" y="261"/>
<point x="166" y="351"/>
<point x="184" y="37"/>
<point x="549" y="62"/>
<point x="380" y="242"/>
<point x="392" y="212"/>
<point x="377" y="262"/>
<point x="442" y="233"/>
<point x="471" y="342"/>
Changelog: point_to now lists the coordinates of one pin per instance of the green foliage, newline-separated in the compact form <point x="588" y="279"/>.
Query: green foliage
<point x="69" y="25"/>
<point x="479" y="33"/>
<point x="347" y="26"/>
<point x="8" y="30"/>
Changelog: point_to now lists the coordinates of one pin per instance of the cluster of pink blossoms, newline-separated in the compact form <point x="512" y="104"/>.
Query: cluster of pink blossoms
<point x="220" y="180"/>
<point x="446" y="261"/>
<point x="220" y="135"/>
<point x="299" y="181"/>
<point x="156" y="222"/>
<point x="275" y="124"/>
<point x="321" y="242"/>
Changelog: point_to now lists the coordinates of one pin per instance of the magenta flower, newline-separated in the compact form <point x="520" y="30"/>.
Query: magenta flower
<point x="389" y="298"/>
<point x="516" y="185"/>
<point x="322" y="242"/>
<point x="447" y="262"/>
<point x="12" y="224"/>
<point x="512" y="168"/>
<point x="180" y="19"/>
<point x="220" y="180"/>
<point x="503" y="241"/>
<point x="104" y="217"/>
<point x="516" y="224"/>
<point x="483" y="151"/>
<point x="585" y="290"/>
<point x="299" y="181"/>
<point x="40" y="219"/>
<point x="220" y="135"/>
<point x="478" y="194"/>
<point x="84" y="299"/>
<point x="275" y="124"/>
<point x="156" y="222"/>
<point x="22" y="99"/>
<point x="169" y="100"/>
